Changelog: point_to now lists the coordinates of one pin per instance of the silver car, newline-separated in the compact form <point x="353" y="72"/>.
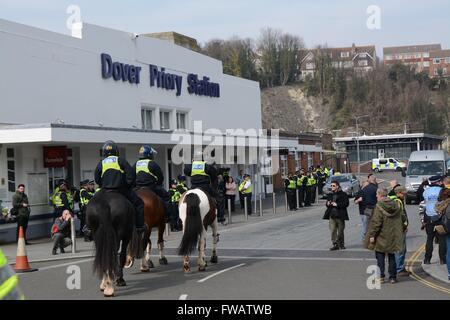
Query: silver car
<point x="349" y="184"/>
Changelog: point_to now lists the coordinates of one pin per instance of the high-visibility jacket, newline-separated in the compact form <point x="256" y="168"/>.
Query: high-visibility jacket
<point x="70" y="200"/>
<point x="248" y="190"/>
<point x="175" y="195"/>
<point x="301" y="180"/>
<point x="56" y="199"/>
<point x="311" y="182"/>
<point x="181" y="187"/>
<point x="198" y="168"/>
<point x="142" y="166"/>
<point x="8" y="281"/>
<point x="111" y="163"/>
<point x="292" y="184"/>
<point x="327" y="172"/>
<point x="85" y="196"/>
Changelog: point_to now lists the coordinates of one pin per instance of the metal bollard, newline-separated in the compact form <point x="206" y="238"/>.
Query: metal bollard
<point x="229" y="210"/>
<point x="245" y="208"/>
<point x="72" y="231"/>
<point x="274" y="203"/>
<point x="286" y="199"/>
<point x="260" y="206"/>
<point x="167" y="229"/>
<point x="298" y="198"/>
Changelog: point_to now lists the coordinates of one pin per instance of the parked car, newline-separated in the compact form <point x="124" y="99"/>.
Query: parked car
<point x="349" y="184"/>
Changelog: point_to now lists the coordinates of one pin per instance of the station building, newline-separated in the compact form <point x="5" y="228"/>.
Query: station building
<point x="63" y="96"/>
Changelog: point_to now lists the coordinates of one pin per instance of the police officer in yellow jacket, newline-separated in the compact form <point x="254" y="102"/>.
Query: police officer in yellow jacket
<point x="290" y="185"/>
<point x="60" y="199"/>
<point x="302" y="181"/>
<point x="86" y="193"/>
<point x="203" y="175"/>
<point x="9" y="289"/>
<point x="115" y="173"/>
<point x="175" y="195"/>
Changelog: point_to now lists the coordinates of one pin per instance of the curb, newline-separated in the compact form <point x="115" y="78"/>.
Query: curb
<point x="428" y="269"/>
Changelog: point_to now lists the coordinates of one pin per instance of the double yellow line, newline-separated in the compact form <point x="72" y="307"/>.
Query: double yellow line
<point x="414" y="258"/>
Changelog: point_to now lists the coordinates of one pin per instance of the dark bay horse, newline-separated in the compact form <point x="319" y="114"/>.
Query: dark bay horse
<point x="197" y="212"/>
<point x="154" y="218"/>
<point x="111" y="217"/>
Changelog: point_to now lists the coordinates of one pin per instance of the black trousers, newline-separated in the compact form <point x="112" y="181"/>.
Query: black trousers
<point x="431" y="234"/>
<point x="291" y="198"/>
<point x="308" y="196"/>
<point x="392" y="268"/>
<point x="301" y="195"/>
<point x="241" y="200"/>
<point x="22" y="221"/>
<point x="248" y="196"/>
<point x="221" y="209"/>
<point x="313" y="194"/>
<point x="232" y="200"/>
<point x="174" y="216"/>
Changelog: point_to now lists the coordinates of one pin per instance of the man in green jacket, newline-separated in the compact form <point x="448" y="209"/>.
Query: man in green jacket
<point x="385" y="233"/>
<point x="21" y="210"/>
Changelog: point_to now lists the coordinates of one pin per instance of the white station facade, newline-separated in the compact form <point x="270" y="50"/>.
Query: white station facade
<point x="62" y="97"/>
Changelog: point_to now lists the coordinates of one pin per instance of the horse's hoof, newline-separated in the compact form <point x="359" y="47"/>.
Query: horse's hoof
<point x="200" y="268"/>
<point x="108" y="295"/>
<point x="150" y="264"/>
<point x="145" y="269"/>
<point x="129" y="263"/>
<point x="163" y="261"/>
<point x="121" y="283"/>
<point x="214" y="259"/>
<point x="186" y="269"/>
<point x="109" y="292"/>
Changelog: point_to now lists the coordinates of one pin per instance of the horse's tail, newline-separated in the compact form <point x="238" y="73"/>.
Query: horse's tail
<point x="193" y="226"/>
<point x="136" y="247"/>
<point x="106" y="243"/>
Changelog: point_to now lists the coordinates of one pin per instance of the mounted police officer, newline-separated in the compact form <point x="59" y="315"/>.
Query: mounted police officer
<point x="203" y="175"/>
<point x="86" y="193"/>
<point x="115" y="173"/>
<point x="150" y="175"/>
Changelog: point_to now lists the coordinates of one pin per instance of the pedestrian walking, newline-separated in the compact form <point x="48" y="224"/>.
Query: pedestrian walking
<point x="336" y="213"/>
<point x="359" y="200"/>
<point x="385" y="233"/>
<point x="21" y="209"/>
<point x="400" y="196"/>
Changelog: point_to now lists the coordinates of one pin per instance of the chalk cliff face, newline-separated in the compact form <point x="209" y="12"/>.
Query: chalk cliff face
<point x="289" y="109"/>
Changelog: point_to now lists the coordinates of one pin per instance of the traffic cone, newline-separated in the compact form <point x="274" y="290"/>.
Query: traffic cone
<point x="22" y="264"/>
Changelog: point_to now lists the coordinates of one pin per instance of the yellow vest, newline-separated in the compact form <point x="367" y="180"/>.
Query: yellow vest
<point x="292" y="184"/>
<point x="198" y="168"/>
<point x="142" y="165"/>
<point x="111" y="163"/>
<point x="8" y="281"/>
<point x="248" y="190"/>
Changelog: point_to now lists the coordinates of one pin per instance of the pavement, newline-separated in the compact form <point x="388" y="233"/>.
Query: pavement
<point x="435" y="269"/>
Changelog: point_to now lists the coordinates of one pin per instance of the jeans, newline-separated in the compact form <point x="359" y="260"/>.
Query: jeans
<point x="448" y="254"/>
<point x="337" y="227"/>
<point x="365" y="222"/>
<point x="381" y="256"/>
<point x="401" y="255"/>
<point x="232" y="198"/>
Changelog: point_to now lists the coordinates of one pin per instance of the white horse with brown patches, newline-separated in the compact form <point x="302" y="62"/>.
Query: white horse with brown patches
<point x="197" y="212"/>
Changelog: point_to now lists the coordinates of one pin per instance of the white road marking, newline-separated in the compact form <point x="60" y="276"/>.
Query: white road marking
<point x="183" y="297"/>
<point x="62" y="265"/>
<point x="222" y="271"/>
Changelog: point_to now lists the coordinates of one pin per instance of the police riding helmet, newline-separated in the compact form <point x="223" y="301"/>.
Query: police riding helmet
<point x="173" y="182"/>
<point x="110" y="149"/>
<point x="181" y="178"/>
<point x="146" y="152"/>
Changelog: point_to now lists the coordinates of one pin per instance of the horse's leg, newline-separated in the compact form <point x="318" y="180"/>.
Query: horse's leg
<point x="144" y="261"/>
<point x="109" y="287"/>
<point x="120" y="282"/>
<point x="162" y="258"/>
<point x="201" y="252"/>
<point x="186" y="266"/>
<point x="103" y="284"/>
<point x="148" y="254"/>
<point x="214" y="227"/>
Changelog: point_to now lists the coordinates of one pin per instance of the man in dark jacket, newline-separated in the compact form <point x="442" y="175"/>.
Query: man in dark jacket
<point x="337" y="203"/>
<point x="115" y="173"/>
<point x="203" y="175"/>
<point x="21" y="209"/>
<point x="61" y="233"/>
<point x="87" y="191"/>
<point x="221" y="200"/>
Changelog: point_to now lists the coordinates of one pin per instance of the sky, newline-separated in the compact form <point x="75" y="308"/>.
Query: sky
<point x="336" y="23"/>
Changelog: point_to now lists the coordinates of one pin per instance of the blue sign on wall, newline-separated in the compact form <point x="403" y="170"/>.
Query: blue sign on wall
<point x="159" y="78"/>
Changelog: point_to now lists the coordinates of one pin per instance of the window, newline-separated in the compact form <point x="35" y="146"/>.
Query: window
<point x="436" y="72"/>
<point x="447" y="60"/>
<point x="164" y="118"/>
<point x="11" y="170"/>
<point x="389" y="57"/>
<point x="436" y="60"/>
<point x="363" y="55"/>
<point x="335" y="64"/>
<point x="426" y="54"/>
<point x="426" y="63"/>
<point x="348" y="64"/>
<point x="181" y="120"/>
<point x="345" y="54"/>
<point x="310" y="65"/>
<point x="384" y="161"/>
<point x="362" y="63"/>
<point x="147" y="119"/>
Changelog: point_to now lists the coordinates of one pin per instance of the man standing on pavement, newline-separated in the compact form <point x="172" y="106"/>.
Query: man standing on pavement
<point x="301" y="185"/>
<point x="336" y="213"/>
<point x="246" y="188"/>
<point x="431" y="195"/>
<point x="21" y="209"/>
<point x="400" y="196"/>
<point x="385" y="233"/>
<point x="290" y="186"/>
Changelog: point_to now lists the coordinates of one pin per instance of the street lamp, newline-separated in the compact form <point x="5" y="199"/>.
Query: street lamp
<point x="357" y="141"/>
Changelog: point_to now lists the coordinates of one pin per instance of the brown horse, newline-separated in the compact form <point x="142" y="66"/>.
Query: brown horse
<point x="154" y="217"/>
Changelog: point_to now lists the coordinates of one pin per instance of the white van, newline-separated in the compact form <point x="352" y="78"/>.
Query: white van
<point x="421" y="166"/>
<point x="381" y="164"/>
